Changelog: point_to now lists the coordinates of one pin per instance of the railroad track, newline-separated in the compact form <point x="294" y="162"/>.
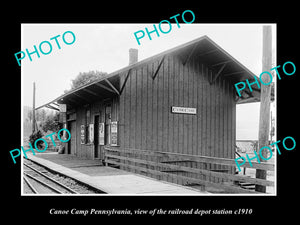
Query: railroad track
<point x="39" y="183"/>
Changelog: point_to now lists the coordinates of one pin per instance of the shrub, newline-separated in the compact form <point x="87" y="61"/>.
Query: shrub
<point x="34" y="136"/>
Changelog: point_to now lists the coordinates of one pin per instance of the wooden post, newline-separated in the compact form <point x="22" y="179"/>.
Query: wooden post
<point x="33" y="109"/>
<point x="264" y="116"/>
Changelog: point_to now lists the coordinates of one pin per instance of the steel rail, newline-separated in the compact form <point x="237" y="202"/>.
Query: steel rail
<point x="53" y="180"/>
<point x="43" y="183"/>
<point x="30" y="185"/>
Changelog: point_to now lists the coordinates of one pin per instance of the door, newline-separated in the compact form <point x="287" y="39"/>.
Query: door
<point x="72" y="142"/>
<point x="96" y="137"/>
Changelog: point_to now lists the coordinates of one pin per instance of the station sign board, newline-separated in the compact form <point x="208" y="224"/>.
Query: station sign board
<point x="184" y="110"/>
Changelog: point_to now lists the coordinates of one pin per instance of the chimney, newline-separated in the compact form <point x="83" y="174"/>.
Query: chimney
<point x="133" y="56"/>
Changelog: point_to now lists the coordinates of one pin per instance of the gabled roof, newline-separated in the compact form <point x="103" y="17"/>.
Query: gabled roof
<point x="203" y="48"/>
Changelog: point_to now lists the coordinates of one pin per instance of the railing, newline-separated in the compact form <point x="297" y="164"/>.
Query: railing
<point x="160" y="165"/>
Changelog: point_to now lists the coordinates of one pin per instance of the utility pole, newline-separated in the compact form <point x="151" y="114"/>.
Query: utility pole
<point x="265" y="98"/>
<point x="33" y="109"/>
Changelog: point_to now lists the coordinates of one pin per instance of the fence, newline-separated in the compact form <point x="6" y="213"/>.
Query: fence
<point x="162" y="165"/>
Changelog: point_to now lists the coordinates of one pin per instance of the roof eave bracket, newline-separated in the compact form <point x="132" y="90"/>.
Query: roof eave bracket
<point x="190" y="54"/>
<point x="125" y="81"/>
<point x="218" y="74"/>
<point x="156" y="72"/>
<point x="112" y="86"/>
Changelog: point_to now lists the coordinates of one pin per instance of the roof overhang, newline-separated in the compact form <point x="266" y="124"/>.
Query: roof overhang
<point x="203" y="48"/>
<point x="223" y="64"/>
<point x="102" y="88"/>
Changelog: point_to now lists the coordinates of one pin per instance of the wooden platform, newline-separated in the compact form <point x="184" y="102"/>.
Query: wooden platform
<point x="110" y="180"/>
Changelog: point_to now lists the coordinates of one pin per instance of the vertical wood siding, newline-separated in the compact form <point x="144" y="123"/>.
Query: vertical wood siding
<point x="143" y="112"/>
<point x="146" y="121"/>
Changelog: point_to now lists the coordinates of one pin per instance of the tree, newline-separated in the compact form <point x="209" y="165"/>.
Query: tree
<point x="29" y="115"/>
<point x="43" y="114"/>
<point x="85" y="77"/>
<point x="52" y="123"/>
<point x="40" y="115"/>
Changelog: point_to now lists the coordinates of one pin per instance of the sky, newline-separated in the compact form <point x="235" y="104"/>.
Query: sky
<point x="104" y="47"/>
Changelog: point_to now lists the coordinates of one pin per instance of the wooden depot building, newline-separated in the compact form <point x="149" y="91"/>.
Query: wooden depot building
<point x="181" y="102"/>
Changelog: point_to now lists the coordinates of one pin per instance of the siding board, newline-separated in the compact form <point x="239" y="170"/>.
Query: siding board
<point x="154" y="112"/>
<point x="139" y="96"/>
<point x="144" y="117"/>
<point x="159" y="81"/>
<point x="160" y="109"/>
<point x="176" y="102"/>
